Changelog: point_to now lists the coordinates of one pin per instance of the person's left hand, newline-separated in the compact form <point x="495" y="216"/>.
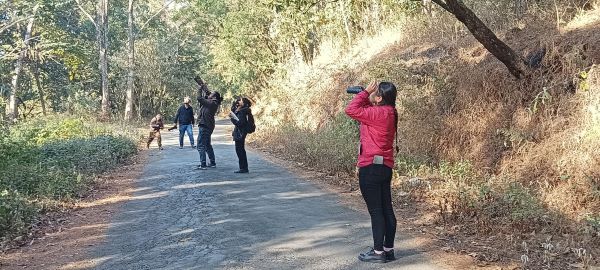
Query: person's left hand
<point x="372" y="87"/>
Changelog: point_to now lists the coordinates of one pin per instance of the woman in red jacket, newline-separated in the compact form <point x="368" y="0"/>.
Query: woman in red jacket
<point x="375" y="109"/>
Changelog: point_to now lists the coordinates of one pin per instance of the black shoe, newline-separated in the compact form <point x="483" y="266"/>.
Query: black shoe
<point x="193" y="147"/>
<point x="212" y="165"/>
<point x="180" y="147"/>
<point x="160" y="148"/>
<point x="241" y="171"/>
<point x="372" y="257"/>
<point x="389" y="255"/>
<point x="202" y="167"/>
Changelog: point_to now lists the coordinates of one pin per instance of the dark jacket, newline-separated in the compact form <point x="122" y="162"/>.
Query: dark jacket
<point x="185" y="116"/>
<point x="208" y="109"/>
<point x="156" y="124"/>
<point x="241" y="125"/>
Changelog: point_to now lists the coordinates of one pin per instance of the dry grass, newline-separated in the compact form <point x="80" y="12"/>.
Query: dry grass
<point x="514" y="157"/>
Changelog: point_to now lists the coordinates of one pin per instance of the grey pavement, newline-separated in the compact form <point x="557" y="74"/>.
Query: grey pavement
<point x="184" y="218"/>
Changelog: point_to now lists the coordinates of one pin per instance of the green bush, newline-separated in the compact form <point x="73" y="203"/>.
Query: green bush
<point x="523" y="206"/>
<point x="16" y="213"/>
<point x="52" y="160"/>
<point x="41" y="131"/>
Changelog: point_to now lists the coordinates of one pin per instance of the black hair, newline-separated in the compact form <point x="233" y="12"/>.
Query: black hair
<point x="388" y="93"/>
<point x="247" y="102"/>
<point x="217" y="97"/>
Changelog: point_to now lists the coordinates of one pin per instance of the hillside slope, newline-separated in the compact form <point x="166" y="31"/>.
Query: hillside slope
<point x="515" y="156"/>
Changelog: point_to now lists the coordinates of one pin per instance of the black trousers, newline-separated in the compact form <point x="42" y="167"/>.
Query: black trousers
<point x="375" y="186"/>
<point x="240" y="150"/>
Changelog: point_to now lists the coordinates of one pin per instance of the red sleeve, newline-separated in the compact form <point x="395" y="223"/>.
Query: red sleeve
<point x="358" y="108"/>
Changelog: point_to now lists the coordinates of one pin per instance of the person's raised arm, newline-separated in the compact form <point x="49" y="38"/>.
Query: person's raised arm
<point x="243" y="120"/>
<point x="203" y="101"/>
<point x="358" y="108"/>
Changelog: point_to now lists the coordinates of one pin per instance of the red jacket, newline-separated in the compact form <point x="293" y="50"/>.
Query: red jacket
<point x="377" y="129"/>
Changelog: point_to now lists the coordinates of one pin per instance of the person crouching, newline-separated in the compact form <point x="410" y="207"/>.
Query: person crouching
<point x="156" y="124"/>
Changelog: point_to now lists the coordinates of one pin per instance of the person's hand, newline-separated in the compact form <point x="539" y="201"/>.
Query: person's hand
<point x="372" y="87"/>
<point x="356" y="172"/>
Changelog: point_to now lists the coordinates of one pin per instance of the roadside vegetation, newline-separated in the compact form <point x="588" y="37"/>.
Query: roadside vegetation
<point x="47" y="164"/>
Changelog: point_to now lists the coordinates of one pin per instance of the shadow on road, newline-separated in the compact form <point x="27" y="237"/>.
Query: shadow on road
<point x="183" y="218"/>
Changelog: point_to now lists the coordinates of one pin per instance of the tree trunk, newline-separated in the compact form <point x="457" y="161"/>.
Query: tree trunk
<point x="345" y="16"/>
<point x="131" y="64"/>
<point x="427" y="7"/>
<point x="102" y="39"/>
<point x="13" y="108"/>
<point x="36" y="75"/>
<point x="515" y="63"/>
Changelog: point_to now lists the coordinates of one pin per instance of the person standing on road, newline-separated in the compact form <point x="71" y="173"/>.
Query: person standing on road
<point x="240" y="116"/>
<point x="209" y="104"/>
<point x="156" y="124"/>
<point x="375" y="109"/>
<point x="185" y="119"/>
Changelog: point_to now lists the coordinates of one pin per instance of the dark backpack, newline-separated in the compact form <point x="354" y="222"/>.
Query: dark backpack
<point x="251" y="127"/>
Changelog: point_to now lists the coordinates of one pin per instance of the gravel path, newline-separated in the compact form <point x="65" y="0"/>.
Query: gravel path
<point x="183" y="218"/>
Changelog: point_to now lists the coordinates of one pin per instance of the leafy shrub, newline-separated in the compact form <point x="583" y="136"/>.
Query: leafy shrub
<point x="15" y="213"/>
<point x="52" y="160"/>
<point x="523" y="206"/>
<point x="40" y="131"/>
<point x="95" y="155"/>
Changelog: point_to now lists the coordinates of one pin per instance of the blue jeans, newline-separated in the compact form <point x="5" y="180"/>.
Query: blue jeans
<point x="204" y="146"/>
<point x="186" y="129"/>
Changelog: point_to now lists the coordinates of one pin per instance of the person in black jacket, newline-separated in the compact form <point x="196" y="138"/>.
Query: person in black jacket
<point x="185" y="118"/>
<point x="239" y="117"/>
<point x="209" y="104"/>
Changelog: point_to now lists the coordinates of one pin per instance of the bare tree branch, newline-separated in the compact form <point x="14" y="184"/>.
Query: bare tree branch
<point x="156" y="14"/>
<point x="86" y="14"/>
<point x="4" y="28"/>
<point x="442" y="4"/>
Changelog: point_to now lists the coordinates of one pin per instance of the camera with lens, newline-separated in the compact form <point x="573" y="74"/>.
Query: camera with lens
<point x="355" y="89"/>
<point x="203" y="89"/>
<point x="234" y="104"/>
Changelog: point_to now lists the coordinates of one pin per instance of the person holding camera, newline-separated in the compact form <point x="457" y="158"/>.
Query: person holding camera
<point x="209" y="104"/>
<point x="375" y="109"/>
<point x="240" y="117"/>
<point x="156" y="124"/>
<point x="185" y="119"/>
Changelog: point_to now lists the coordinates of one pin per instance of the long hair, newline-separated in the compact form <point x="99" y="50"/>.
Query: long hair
<point x="247" y="102"/>
<point x="387" y="91"/>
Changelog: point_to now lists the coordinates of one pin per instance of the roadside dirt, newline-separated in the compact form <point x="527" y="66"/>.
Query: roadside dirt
<point x="411" y="221"/>
<point x="454" y="240"/>
<point x="62" y="239"/>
